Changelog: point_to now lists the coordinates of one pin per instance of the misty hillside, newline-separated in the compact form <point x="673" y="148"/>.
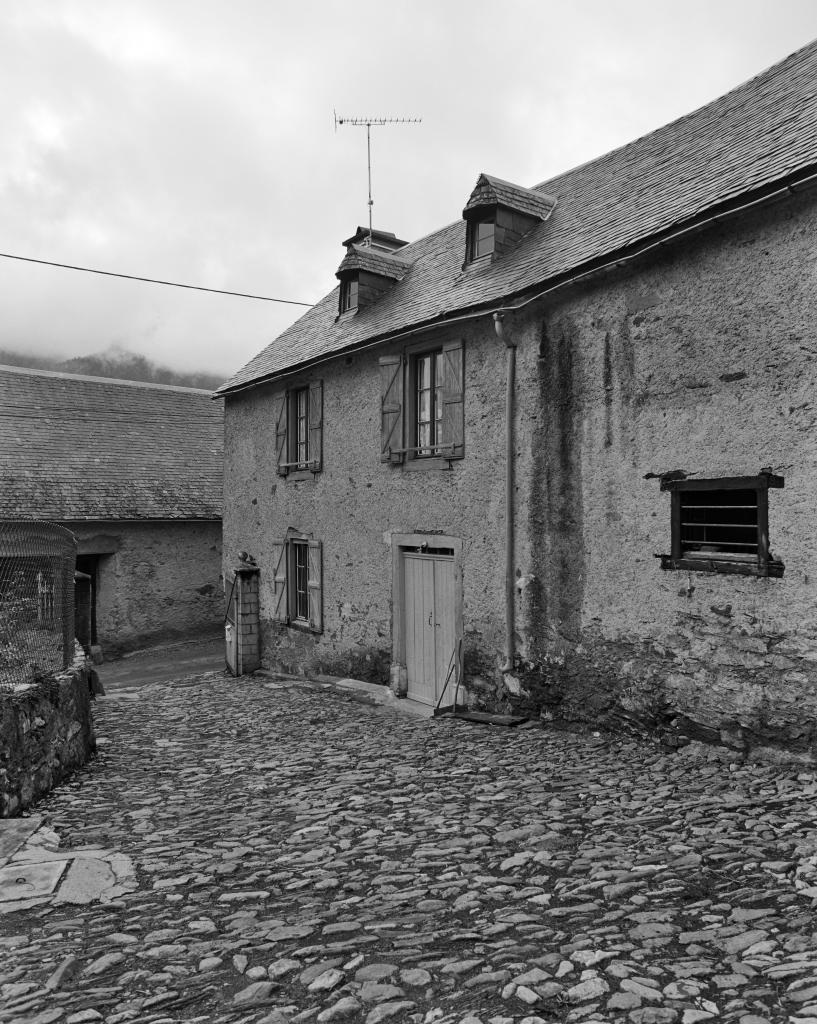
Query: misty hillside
<point x="116" y="362"/>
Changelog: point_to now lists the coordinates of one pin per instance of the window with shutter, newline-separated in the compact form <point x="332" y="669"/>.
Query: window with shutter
<point x="297" y="582"/>
<point x="722" y="525"/>
<point x="299" y="429"/>
<point x="422" y="405"/>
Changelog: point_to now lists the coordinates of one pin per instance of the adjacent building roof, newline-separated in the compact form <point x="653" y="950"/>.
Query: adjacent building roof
<point x="74" y="448"/>
<point x="761" y="133"/>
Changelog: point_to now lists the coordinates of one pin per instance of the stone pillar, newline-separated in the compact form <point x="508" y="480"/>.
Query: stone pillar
<point x="248" y="641"/>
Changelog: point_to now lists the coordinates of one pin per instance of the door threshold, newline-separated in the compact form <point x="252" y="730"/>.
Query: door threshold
<point x="484" y="717"/>
<point x="451" y="709"/>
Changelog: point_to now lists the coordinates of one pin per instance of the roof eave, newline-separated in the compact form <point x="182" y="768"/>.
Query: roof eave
<point x="796" y="181"/>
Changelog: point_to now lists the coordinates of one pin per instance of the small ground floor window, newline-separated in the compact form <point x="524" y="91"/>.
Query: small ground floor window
<point x="722" y="525"/>
<point x="297" y="562"/>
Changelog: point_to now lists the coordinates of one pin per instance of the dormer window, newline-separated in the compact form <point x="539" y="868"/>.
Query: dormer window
<point x="349" y="294"/>
<point x="481" y="237"/>
<point x="369" y="269"/>
<point x="499" y="214"/>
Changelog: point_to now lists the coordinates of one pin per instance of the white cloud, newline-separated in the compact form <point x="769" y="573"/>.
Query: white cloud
<point x="193" y="140"/>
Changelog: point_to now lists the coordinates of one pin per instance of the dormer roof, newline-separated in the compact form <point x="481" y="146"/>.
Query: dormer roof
<point x="490" y="192"/>
<point x="379" y="239"/>
<point x="384" y="264"/>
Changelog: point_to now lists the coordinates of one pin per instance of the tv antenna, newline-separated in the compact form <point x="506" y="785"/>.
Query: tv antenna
<point x="369" y="122"/>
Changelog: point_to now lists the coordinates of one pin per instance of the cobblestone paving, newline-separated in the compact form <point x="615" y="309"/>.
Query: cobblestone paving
<point x="301" y="857"/>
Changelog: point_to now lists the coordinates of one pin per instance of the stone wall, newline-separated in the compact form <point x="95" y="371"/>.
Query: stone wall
<point x="701" y="359"/>
<point x="357" y="503"/>
<point x="46" y="731"/>
<point x="156" y="581"/>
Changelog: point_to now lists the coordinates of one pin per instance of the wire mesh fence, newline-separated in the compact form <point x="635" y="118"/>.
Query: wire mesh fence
<point x="37" y="563"/>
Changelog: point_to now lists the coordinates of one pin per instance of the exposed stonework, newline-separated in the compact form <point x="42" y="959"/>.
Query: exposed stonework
<point x="156" y="581"/>
<point x="46" y="731"/>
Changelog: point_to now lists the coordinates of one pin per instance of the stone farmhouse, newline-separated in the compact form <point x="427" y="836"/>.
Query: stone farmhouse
<point x="562" y="452"/>
<point x="135" y="472"/>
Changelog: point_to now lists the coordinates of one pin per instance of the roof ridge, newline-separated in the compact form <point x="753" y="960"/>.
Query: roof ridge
<point x="88" y="378"/>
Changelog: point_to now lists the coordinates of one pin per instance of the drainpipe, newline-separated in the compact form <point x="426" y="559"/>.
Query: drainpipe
<point x="509" y="467"/>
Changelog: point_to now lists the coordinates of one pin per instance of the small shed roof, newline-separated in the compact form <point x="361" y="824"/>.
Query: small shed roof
<point x="90" y="448"/>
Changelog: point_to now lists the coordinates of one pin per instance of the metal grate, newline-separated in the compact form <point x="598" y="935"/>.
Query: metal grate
<point x="722" y="522"/>
<point x="37" y="562"/>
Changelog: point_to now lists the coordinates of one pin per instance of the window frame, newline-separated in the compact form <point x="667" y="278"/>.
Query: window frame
<point x="297" y="438"/>
<point x="473" y="238"/>
<point x="299" y="430"/>
<point x="436" y="405"/>
<point x="765" y="565"/>
<point x="349" y="294"/>
<point x="297" y="595"/>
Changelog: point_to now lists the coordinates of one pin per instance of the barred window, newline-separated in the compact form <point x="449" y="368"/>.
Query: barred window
<point x="722" y="525"/>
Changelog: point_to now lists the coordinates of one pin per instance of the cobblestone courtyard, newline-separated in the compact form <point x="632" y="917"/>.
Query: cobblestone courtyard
<point x="303" y="857"/>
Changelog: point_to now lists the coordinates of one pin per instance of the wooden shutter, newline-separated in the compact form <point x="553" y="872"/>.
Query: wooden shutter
<point x="314" y="584"/>
<point x="281" y="446"/>
<point x="391" y="408"/>
<point x="316" y="426"/>
<point x="453" y="438"/>
<point x="280" y="605"/>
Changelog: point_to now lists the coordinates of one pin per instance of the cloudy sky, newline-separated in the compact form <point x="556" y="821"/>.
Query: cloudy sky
<point x="193" y="140"/>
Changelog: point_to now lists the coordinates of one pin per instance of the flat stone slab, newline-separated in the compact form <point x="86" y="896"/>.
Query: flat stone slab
<point x="23" y="881"/>
<point x="14" y="832"/>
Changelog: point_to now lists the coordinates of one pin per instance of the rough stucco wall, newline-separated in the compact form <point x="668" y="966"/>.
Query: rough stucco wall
<point x="702" y="361"/>
<point x="356" y="503"/>
<point x="161" y="583"/>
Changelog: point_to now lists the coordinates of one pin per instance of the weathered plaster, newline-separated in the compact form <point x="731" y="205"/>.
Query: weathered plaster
<point x="701" y="361"/>
<point x="700" y="358"/>
<point x="160" y="581"/>
<point x="357" y="502"/>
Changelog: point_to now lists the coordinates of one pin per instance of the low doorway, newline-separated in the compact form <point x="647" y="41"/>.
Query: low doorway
<point x="428" y="615"/>
<point x="89" y="566"/>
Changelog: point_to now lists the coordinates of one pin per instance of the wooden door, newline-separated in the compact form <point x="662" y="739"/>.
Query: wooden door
<point x="430" y="629"/>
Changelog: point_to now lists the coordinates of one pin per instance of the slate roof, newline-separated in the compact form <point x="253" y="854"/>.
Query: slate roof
<point x="74" y="448"/>
<point x="490" y="191"/>
<point x="385" y="264"/>
<point x="760" y="133"/>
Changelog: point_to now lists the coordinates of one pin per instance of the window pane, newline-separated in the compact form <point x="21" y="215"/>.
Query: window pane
<point x="301" y="426"/>
<point x="301" y="595"/>
<point x="348" y="295"/>
<point x="482" y="238"/>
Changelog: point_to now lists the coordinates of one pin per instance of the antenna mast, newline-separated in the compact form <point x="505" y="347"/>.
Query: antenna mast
<point x="368" y="122"/>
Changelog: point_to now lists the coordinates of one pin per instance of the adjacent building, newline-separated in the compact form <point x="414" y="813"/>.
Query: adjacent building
<point x="562" y="452"/>
<point x="135" y="472"/>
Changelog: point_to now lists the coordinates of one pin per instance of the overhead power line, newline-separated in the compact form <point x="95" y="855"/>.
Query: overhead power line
<point x="153" y="280"/>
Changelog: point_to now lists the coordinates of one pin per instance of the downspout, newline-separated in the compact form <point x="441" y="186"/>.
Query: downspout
<point x="510" y="374"/>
